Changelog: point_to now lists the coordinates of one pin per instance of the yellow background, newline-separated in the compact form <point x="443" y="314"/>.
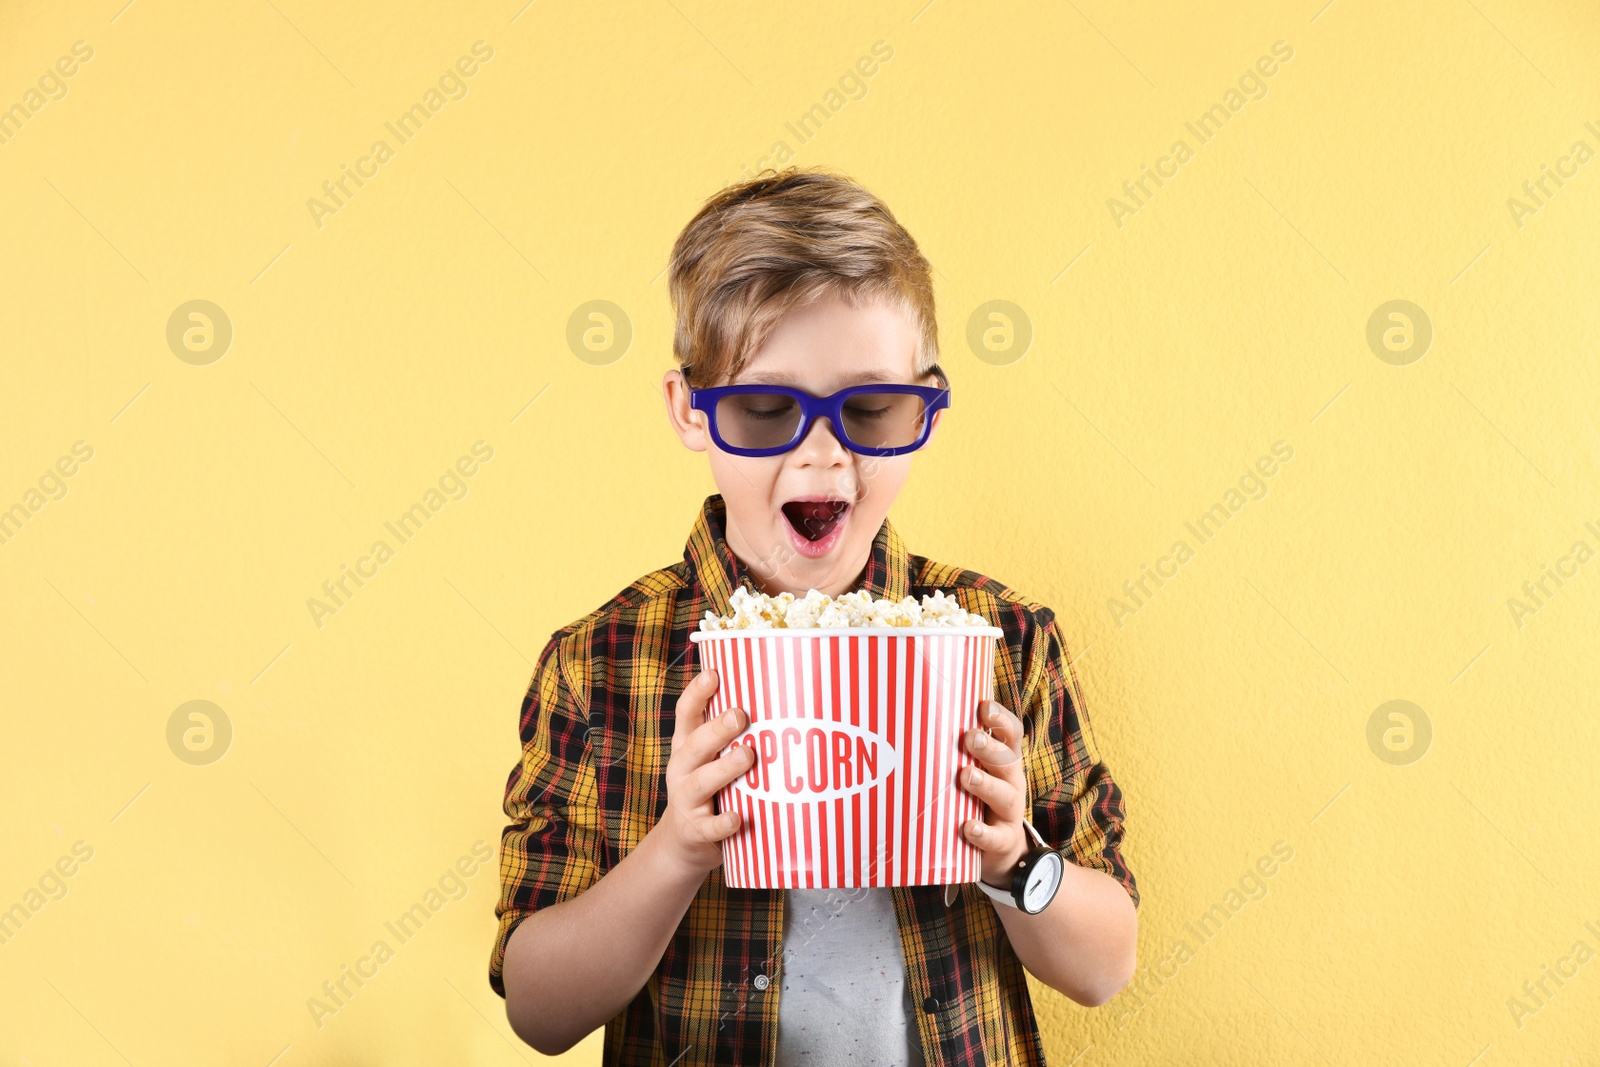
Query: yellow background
<point x="1168" y="353"/>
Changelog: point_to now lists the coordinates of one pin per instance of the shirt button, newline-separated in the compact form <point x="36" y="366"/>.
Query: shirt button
<point x="762" y="981"/>
<point x="931" y="1005"/>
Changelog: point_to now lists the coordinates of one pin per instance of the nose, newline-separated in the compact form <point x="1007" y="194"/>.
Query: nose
<point x="821" y="447"/>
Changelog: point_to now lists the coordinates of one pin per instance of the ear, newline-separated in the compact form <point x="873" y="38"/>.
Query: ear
<point x="934" y="429"/>
<point x="687" y="423"/>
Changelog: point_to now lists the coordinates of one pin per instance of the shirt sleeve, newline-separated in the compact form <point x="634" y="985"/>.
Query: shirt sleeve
<point x="1076" y="805"/>
<point x="551" y="849"/>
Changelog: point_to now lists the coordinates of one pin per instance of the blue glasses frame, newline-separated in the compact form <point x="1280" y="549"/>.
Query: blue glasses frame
<point x="934" y="398"/>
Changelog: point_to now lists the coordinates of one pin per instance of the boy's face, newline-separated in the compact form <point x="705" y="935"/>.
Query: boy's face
<point x="820" y="348"/>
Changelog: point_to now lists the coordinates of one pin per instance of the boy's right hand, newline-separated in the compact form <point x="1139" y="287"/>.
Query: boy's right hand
<point x="691" y="829"/>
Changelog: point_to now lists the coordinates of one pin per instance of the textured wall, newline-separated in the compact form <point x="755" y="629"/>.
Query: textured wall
<point x="1426" y="859"/>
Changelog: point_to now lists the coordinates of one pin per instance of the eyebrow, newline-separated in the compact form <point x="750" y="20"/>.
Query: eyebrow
<point x="875" y="377"/>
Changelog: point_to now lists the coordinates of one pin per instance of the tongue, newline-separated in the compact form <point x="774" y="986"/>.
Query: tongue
<point x="813" y="518"/>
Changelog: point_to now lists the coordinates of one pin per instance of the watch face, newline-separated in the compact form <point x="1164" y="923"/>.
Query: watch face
<point x="1043" y="881"/>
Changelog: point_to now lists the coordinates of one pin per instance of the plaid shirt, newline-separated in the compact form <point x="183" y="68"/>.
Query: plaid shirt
<point x="596" y="729"/>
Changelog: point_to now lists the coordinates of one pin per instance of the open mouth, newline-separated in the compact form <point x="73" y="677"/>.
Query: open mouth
<point x="815" y="521"/>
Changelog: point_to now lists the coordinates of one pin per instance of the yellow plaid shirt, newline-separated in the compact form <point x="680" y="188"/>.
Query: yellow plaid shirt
<point x="596" y="728"/>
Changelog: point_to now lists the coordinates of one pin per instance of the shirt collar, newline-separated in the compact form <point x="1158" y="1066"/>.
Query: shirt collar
<point x="720" y="572"/>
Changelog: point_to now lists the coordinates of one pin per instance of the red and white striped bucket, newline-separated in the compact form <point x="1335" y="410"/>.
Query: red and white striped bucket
<point x="857" y="736"/>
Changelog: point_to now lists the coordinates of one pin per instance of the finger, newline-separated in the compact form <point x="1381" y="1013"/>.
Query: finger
<point x="706" y="741"/>
<point x="998" y="757"/>
<point x="691" y="708"/>
<point x="709" y="828"/>
<point x="997" y="793"/>
<point x="695" y="814"/>
<point x="713" y="828"/>
<point x="724" y="825"/>
<point x="1002" y="723"/>
<point x="707" y="779"/>
<point x="990" y="837"/>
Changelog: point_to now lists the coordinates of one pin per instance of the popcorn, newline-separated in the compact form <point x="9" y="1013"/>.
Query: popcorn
<point x="758" y="611"/>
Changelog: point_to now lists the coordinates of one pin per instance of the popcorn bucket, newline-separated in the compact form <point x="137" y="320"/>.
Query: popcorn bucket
<point x="857" y="738"/>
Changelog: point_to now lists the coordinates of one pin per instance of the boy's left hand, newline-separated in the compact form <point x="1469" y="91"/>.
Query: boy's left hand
<point x="1002" y="787"/>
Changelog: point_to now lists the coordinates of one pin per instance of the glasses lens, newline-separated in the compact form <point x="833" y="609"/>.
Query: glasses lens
<point x="758" y="420"/>
<point x="884" y="420"/>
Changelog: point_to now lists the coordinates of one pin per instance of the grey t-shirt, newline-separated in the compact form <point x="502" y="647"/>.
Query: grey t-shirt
<point x="843" y="997"/>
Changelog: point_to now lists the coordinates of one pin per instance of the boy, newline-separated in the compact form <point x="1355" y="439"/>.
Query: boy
<point x="612" y="904"/>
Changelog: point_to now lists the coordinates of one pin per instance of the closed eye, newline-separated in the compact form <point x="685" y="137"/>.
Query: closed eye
<point x="753" y="409"/>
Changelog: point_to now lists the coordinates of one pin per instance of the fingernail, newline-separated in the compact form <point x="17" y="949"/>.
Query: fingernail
<point x="974" y="777"/>
<point x="977" y="830"/>
<point x="994" y="713"/>
<point x="979" y="740"/>
<point x="708" y="679"/>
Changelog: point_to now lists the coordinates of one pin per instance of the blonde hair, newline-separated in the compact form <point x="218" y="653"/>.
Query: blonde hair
<point x="759" y="249"/>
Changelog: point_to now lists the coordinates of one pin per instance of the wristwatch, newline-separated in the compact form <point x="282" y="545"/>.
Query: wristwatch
<point x="1034" y="880"/>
